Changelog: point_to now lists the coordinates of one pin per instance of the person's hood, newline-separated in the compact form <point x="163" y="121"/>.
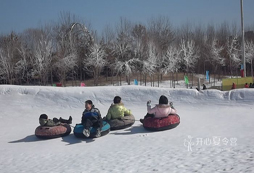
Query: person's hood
<point x="163" y="105"/>
<point x="43" y="121"/>
<point x="118" y="104"/>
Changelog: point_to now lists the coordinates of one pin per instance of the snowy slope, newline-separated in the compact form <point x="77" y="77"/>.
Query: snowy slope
<point x="206" y="118"/>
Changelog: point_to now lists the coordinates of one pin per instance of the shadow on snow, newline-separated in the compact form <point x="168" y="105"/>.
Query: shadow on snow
<point x="72" y="139"/>
<point x="30" y="138"/>
<point x="132" y="130"/>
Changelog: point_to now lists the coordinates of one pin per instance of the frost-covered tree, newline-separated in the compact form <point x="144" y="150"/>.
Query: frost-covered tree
<point x="22" y="66"/>
<point x="249" y="48"/>
<point x="150" y="64"/>
<point x="65" y="65"/>
<point x="8" y="57"/>
<point x="233" y="53"/>
<point x="125" y="61"/>
<point x="42" y="58"/>
<point x="66" y="57"/>
<point x="122" y="47"/>
<point x="73" y="37"/>
<point x="96" y="61"/>
<point x="6" y="67"/>
<point x="126" y="67"/>
<point x="215" y="54"/>
<point x="171" y="60"/>
<point x="161" y="32"/>
<point x="139" y="36"/>
<point x="189" y="54"/>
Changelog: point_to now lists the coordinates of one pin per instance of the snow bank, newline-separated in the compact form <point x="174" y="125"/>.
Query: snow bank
<point x="130" y="94"/>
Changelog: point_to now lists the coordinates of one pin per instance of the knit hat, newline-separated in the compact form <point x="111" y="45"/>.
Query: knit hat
<point x="117" y="99"/>
<point x="163" y="100"/>
<point x="43" y="116"/>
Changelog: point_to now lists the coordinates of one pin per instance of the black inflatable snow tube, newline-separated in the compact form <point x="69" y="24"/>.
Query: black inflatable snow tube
<point x="125" y="122"/>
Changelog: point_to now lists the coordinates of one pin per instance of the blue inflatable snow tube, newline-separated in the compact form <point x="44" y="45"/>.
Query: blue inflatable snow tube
<point x="78" y="130"/>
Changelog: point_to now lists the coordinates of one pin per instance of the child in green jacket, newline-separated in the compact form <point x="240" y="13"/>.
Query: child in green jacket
<point x="45" y="121"/>
<point x="117" y="110"/>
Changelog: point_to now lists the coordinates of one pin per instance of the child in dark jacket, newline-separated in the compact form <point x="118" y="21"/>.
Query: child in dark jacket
<point x="44" y="121"/>
<point x="91" y="118"/>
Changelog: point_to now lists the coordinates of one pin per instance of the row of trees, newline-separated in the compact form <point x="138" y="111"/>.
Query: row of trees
<point x="71" y="50"/>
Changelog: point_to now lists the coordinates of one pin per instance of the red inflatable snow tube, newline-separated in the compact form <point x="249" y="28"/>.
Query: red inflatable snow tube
<point x="45" y="132"/>
<point x="158" y="124"/>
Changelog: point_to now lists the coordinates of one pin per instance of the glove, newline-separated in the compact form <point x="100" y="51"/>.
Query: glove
<point x="55" y="120"/>
<point x="149" y="103"/>
<point x="171" y="105"/>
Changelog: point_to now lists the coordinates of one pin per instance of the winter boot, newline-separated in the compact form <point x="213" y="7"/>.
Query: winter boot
<point x="98" y="133"/>
<point x="69" y="121"/>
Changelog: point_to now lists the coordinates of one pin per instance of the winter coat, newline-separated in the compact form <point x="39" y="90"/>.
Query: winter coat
<point x="246" y="86"/>
<point x="94" y="113"/>
<point x="204" y="87"/>
<point x="48" y="122"/>
<point x="117" y="111"/>
<point x="233" y="86"/>
<point x="160" y="111"/>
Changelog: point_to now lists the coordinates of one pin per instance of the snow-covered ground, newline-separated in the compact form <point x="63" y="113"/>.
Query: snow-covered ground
<point x="215" y="134"/>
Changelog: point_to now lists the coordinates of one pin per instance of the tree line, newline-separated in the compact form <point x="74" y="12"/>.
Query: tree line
<point x="71" y="50"/>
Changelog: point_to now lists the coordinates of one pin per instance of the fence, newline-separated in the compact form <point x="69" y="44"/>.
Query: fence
<point x="240" y="82"/>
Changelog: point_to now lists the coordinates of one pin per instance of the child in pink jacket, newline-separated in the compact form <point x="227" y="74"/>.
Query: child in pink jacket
<point x="163" y="109"/>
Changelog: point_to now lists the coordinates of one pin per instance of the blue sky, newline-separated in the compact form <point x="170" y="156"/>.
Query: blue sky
<point x="18" y="15"/>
